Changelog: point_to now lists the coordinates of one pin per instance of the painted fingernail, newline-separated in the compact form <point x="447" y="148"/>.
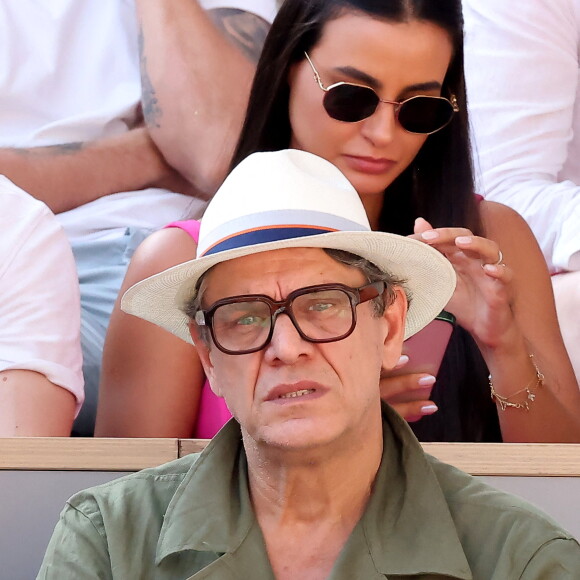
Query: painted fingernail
<point x="403" y="360"/>
<point x="430" y="235"/>
<point x="492" y="268"/>
<point x="429" y="409"/>
<point x="464" y="240"/>
<point x="427" y="381"/>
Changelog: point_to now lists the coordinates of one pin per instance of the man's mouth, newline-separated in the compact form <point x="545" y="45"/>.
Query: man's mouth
<point x="300" y="393"/>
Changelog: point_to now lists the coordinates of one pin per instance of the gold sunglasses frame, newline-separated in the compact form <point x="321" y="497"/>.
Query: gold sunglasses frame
<point x="397" y="104"/>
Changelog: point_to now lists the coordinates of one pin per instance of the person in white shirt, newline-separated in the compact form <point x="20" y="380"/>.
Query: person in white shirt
<point x="72" y="132"/>
<point x="41" y="380"/>
<point x="522" y="73"/>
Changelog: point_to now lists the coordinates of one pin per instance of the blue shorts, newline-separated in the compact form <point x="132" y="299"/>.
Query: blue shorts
<point x="101" y="266"/>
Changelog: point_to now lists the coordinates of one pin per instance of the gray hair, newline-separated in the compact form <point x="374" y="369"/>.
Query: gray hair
<point x="371" y="272"/>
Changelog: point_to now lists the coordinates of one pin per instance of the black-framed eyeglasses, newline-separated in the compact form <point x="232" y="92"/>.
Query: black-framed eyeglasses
<point x="351" y="103"/>
<point x="321" y="313"/>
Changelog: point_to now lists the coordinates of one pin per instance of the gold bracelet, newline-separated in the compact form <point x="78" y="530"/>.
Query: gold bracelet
<point x="504" y="402"/>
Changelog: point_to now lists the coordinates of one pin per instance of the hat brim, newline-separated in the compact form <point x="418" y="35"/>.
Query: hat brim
<point x="428" y="275"/>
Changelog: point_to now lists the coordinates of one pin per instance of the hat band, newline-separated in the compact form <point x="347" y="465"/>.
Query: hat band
<point x="272" y="226"/>
<point x="263" y="236"/>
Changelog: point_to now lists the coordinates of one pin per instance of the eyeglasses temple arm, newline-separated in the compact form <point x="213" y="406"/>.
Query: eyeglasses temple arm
<point x="372" y="290"/>
<point x="316" y="75"/>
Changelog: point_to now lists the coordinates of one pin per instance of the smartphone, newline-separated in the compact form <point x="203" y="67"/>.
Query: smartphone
<point x="426" y="348"/>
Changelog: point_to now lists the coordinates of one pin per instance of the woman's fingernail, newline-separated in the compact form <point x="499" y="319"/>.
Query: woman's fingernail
<point x="403" y="360"/>
<point x="464" y="240"/>
<point x="427" y="381"/>
<point x="429" y="409"/>
<point x="491" y="268"/>
<point x="430" y="235"/>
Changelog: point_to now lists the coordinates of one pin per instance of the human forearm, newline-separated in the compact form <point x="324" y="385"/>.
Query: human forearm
<point x="554" y="411"/>
<point x="531" y="396"/>
<point x="32" y="406"/>
<point x="503" y="298"/>
<point x="197" y="69"/>
<point x="72" y="174"/>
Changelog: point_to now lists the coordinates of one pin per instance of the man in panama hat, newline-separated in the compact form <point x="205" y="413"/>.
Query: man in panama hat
<point x="295" y="307"/>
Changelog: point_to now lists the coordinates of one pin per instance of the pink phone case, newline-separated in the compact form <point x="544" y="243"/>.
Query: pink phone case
<point x="426" y="348"/>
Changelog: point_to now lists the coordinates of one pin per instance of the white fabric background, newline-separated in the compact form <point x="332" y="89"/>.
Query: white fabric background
<point x="522" y="69"/>
<point x="40" y="303"/>
<point x="69" y="71"/>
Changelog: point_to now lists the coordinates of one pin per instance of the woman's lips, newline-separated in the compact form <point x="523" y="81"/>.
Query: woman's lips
<point x="369" y="165"/>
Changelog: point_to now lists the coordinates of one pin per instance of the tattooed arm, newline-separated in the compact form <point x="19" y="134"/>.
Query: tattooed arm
<point x="66" y="176"/>
<point x="196" y="69"/>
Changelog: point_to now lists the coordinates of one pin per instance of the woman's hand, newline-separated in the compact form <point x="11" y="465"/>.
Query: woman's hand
<point x="408" y="394"/>
<point x="482" y="301"/>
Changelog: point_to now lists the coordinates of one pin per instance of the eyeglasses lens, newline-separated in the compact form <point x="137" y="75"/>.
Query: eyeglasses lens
<point x="319" y="316"/>
<point x="425" y="114"/>
<point x="242" y="325"/>
<point x="351" y="103"/>
<point x="323" y="315"/>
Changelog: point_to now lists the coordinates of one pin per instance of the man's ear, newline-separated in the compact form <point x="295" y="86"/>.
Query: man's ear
<point x="395" y="314"/>
<point x="203" y="352"/>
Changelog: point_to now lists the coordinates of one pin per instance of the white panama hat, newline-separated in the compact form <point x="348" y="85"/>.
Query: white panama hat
<point x="291" y="199"/>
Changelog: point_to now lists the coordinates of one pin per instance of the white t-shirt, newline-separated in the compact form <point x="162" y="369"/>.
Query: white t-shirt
<point x="39" y="293"/>
<point x="69" y="71"/>
<point x="522" y="70"/>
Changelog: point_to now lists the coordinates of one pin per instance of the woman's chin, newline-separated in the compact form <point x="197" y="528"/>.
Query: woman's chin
<point x="368" y="185"/>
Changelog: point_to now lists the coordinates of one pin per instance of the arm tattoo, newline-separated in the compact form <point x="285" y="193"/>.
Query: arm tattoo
<point x="48" y="150"/>
<point x="149" y="102"/>
<point x="246" y="30"/>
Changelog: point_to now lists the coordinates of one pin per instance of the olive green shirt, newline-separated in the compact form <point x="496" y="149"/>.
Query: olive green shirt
<point x="193" y="519"/>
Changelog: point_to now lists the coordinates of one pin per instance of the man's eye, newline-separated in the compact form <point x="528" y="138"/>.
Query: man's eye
<point x="249" y="320"/>
<point x="321" y="306"/>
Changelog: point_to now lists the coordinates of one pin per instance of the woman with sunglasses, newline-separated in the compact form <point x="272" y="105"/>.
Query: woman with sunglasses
<point x="377" y="89"/>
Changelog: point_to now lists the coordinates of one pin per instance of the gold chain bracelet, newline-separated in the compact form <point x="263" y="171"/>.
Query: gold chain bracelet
<point x="504" y="402"/>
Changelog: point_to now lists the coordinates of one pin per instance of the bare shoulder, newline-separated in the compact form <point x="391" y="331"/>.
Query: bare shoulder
<point x="514" y="237"/>
<point x="161" y="250"/>
<point x="246" y="30"/>
<point x="497" y="216"/>
<point x="505" y="225"/>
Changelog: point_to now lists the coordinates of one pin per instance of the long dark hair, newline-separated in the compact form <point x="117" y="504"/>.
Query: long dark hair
<point x="437" y="185"/>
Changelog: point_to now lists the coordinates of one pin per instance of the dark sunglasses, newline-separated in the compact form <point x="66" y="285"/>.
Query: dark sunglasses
<point x="351" y="103"/>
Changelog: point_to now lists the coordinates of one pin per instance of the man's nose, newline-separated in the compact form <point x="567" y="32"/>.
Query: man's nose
<point x="286" y="345"/>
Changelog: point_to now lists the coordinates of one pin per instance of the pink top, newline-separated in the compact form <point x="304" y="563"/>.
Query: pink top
<point x="213" y="412"/>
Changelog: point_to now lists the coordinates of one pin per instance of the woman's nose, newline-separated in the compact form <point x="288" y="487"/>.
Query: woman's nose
<point x="381" y="126"/>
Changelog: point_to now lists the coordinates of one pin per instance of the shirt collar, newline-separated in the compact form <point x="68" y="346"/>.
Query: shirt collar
<point x="211" y="508"/>
<point x="407" y="530"/>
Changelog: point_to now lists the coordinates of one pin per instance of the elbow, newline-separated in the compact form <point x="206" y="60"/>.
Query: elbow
<point x="205" y="173"/>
